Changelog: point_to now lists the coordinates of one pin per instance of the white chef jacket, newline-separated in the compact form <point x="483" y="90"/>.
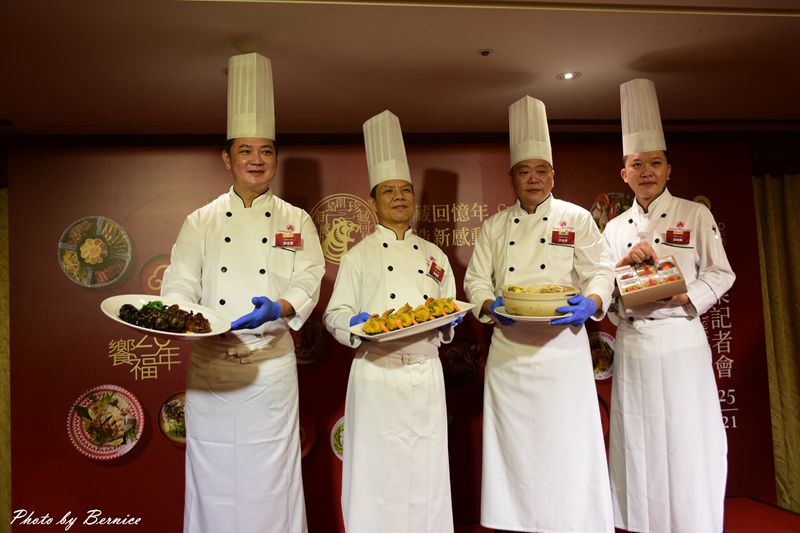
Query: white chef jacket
<point x="395" y="474"/>
<point x="703" y="261"/>
<point x="667" y="446"/>
<point x="243" y="471"/>
<point x="516" y="247"/>
<point x="544" y="466"/>
<point x="225" y="254"/>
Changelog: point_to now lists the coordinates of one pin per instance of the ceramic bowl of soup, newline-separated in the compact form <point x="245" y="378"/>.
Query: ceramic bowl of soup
<point x="539" y="299"/>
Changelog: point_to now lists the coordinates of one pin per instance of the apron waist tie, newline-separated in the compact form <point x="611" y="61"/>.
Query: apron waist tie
<point x="396" y="359"/>
<point x="640" y="322"/>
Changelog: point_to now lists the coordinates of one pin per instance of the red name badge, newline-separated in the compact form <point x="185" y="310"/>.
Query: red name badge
<point x="436" y="272"/>
<point x="562" y="236"/>
<point x="679" y="236"/>
<point x="288" y="240"/>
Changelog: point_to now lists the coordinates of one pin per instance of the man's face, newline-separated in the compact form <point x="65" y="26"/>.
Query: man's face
<point x="646" y="173"/>
<point x="533" y="180"/>
<point x="253" y="163"/>
<point x="393" y="202"/>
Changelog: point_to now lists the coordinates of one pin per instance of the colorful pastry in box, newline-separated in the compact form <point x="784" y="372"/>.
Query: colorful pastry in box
<point x="650" y="281"/>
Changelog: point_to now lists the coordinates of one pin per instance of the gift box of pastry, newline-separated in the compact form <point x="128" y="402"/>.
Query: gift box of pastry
<point x="650" y="281"/>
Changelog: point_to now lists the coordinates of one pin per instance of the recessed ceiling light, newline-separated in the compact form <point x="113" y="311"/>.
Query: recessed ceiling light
<point x="566" y="76"/>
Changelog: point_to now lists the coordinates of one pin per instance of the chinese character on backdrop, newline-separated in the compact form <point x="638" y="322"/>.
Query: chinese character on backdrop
<point x="140" y="356"/>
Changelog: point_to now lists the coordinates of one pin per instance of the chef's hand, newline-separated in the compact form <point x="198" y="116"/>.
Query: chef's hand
<point x="677" y="300"/>
<point x="501" y="319"/>
<point x="266" y="311"/>
<point x="639" y="253"/>
<point x="452" y="324"/>
<point x="359" y="318"/>
<point x="581" y="308"/>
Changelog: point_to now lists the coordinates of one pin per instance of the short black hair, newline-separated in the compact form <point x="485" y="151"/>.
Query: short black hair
<point x="625" y="158"/>
<point x="229" y="145"/>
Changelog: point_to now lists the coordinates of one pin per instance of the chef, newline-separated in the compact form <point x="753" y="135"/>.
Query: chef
<point x="667" y="447"/>
<point x="395" y="474"/>
<point x="544" y="465"/>
<point x="256" y="260"/>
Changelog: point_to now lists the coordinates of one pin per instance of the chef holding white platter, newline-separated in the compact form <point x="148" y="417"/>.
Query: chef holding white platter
<point x="544" y="463"/>
<point x="395" y="474"/>
<point x="255" y="260"/>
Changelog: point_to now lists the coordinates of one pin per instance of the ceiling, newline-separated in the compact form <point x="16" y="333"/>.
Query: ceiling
<point x="147" y="67"/>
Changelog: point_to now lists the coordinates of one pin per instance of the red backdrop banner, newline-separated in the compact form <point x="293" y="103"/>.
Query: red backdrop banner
<point x="134" y="199"/>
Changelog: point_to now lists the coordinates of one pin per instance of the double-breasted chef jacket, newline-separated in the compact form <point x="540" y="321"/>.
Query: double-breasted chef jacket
<point x="544" y="466"/>
<point x="668" y="451"/>
<point x="395" y="476"/>
<point x="243" y="452"/>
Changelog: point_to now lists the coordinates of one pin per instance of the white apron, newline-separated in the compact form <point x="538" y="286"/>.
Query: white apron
<point x="243" y="471"/>
<point x="395" y="473"/>
<point x="544" y="464"/>
<point x="668" y="451"/>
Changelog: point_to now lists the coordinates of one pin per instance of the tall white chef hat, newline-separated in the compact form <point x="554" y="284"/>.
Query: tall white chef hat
<point x="527" y="129"/>
<point x="641" y="120"/>
<point x="251" y="109"/>
<point x="386" y="153"/>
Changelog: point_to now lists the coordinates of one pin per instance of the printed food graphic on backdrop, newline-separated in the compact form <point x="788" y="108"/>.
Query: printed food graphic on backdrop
<point x="310" y="341"/>
<point x="602" y="346"/>
<point x="105" y="422"/>
<point x="171" y="418"/>
<point x="337" y="438"/>
<point x="342" y="220"/>
<point x="94" y="251"/>
<point x="607" y="205"/>
<point x="462" y="364"/>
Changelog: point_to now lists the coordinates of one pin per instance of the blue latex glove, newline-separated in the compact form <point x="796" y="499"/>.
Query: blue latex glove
<point x="503" y="320"/>
<point x="581" y="308"/>
<point x="359" y="318"/>
<point x="452" y="324"/>
<point x="266" y="311"/>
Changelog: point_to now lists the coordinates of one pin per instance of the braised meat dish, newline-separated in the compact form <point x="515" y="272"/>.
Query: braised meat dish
<point x="156" y="315"/>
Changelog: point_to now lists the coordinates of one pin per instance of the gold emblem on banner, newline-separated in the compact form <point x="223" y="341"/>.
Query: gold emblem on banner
<point x="703" y="199"/>
<point x="342" y="221"/>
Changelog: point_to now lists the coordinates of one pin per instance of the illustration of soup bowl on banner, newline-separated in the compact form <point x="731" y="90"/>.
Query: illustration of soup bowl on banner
<point x="537" y="300"/>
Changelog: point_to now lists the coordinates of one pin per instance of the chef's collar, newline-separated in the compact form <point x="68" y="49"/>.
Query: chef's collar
<point x="543" y="207"/>
<point x="389" y="234"/>
<point x="660" y="204"/>
<point x="237" y="202"/>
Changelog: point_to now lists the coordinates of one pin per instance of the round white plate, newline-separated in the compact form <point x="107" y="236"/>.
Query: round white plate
<point x="110" y="306"/>
<point x="518" y="318"/>
<point x="464" y="307"/>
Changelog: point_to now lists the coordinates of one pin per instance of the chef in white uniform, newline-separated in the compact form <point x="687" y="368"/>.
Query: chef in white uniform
<point x="248" y="248"/>
<point x="668" y="452"/>
<point x="544" y="464"/>
<point x="395" y="475"/>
